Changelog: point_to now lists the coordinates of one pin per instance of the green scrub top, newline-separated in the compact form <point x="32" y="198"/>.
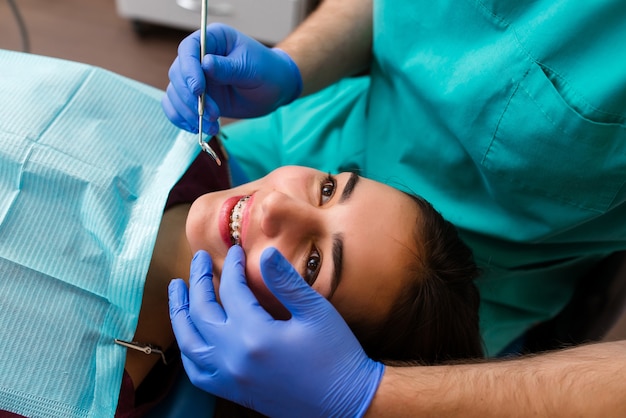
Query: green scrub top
<point x="509" y="117"/>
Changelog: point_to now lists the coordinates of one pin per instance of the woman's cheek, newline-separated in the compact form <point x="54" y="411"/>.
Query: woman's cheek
<point x="266" y="298"/>
<point x="202" y="233"/>
<point x="193" y="230"/>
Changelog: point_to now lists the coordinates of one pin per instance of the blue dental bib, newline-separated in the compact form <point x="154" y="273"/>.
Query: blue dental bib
<point x="87" y="159"/>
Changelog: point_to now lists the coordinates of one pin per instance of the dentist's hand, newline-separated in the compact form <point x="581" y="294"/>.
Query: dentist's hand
<point x="309" y="365"/>
<point x="241" y="77"/>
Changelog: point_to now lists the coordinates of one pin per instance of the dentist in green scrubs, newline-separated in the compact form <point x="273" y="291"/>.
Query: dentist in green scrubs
<point x="508" y="116"/>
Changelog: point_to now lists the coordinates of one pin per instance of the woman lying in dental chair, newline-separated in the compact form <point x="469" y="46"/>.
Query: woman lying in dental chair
<point x="344" y="234"/>
<point x="394" y="269"/>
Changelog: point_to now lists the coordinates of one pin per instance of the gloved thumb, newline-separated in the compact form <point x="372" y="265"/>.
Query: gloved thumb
<point x="289" y="287"/>
<point x="224" y="70"/>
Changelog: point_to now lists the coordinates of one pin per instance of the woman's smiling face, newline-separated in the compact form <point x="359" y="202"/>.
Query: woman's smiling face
<point x="349" y="237"/>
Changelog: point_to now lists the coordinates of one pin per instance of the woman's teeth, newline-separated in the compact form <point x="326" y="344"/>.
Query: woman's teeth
<point x="235" y="220"/>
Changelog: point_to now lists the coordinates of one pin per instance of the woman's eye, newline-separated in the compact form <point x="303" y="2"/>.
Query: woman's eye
<point x="312" y="267"/>
<point x="327" y="189"/>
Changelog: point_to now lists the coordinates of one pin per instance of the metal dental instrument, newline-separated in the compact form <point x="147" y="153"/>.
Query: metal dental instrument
<point x="204" y="145"/>
<point x="144" y="348"/>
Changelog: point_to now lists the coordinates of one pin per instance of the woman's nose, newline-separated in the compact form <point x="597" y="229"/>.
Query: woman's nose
<point x="282" y="213"/>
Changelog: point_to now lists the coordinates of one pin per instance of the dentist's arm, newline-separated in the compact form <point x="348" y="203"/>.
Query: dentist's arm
<point x="587" y="381"/>
<point x="334" y="42"/>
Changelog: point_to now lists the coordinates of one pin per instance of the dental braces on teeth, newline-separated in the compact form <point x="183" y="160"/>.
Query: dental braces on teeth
<point x="235" y="221"/>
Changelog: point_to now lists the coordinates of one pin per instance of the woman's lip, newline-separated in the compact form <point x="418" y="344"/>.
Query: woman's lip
<point x="224" y="219"/>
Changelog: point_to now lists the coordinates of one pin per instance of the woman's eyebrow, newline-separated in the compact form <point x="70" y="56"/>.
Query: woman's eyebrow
<point x="335" y="276"/>
<point x="349" y="187"/>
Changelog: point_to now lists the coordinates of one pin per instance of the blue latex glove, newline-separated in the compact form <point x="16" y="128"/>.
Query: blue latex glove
<point x="311" y="363"/>
<point x="242" y="78"/>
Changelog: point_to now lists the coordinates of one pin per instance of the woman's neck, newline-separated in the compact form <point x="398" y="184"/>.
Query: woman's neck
<point x="170" y="259"/>
<point x="172" y="255"/>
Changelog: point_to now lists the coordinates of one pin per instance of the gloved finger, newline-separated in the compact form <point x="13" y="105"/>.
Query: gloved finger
<point x="203" y="306"/>
<point x="282" y="279"/>
<point x="211" y="109"/>
<point x="177" y="112"/>
<point x="184" y="105"/>
<point x="227" y="71"/>
<point x="237" y="298"/>
<point x="187" y="335"/>
<point x="173" y="115"/>
<point x="189" y="63"/>
<point x="184" y="118"/>
<point x="220" y="39"/>
<point x="186" y="95"/>
<point x="212" y="128"/>
<point x="201" y="374"/>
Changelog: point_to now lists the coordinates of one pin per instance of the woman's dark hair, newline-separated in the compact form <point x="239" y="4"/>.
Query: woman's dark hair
<point x="436" y="318"/>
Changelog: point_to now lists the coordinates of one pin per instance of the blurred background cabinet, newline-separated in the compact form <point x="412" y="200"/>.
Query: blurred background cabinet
<point x="269" y="21"/>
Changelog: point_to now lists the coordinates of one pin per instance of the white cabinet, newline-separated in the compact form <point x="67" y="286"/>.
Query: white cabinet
<point x="268" y="21"/>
